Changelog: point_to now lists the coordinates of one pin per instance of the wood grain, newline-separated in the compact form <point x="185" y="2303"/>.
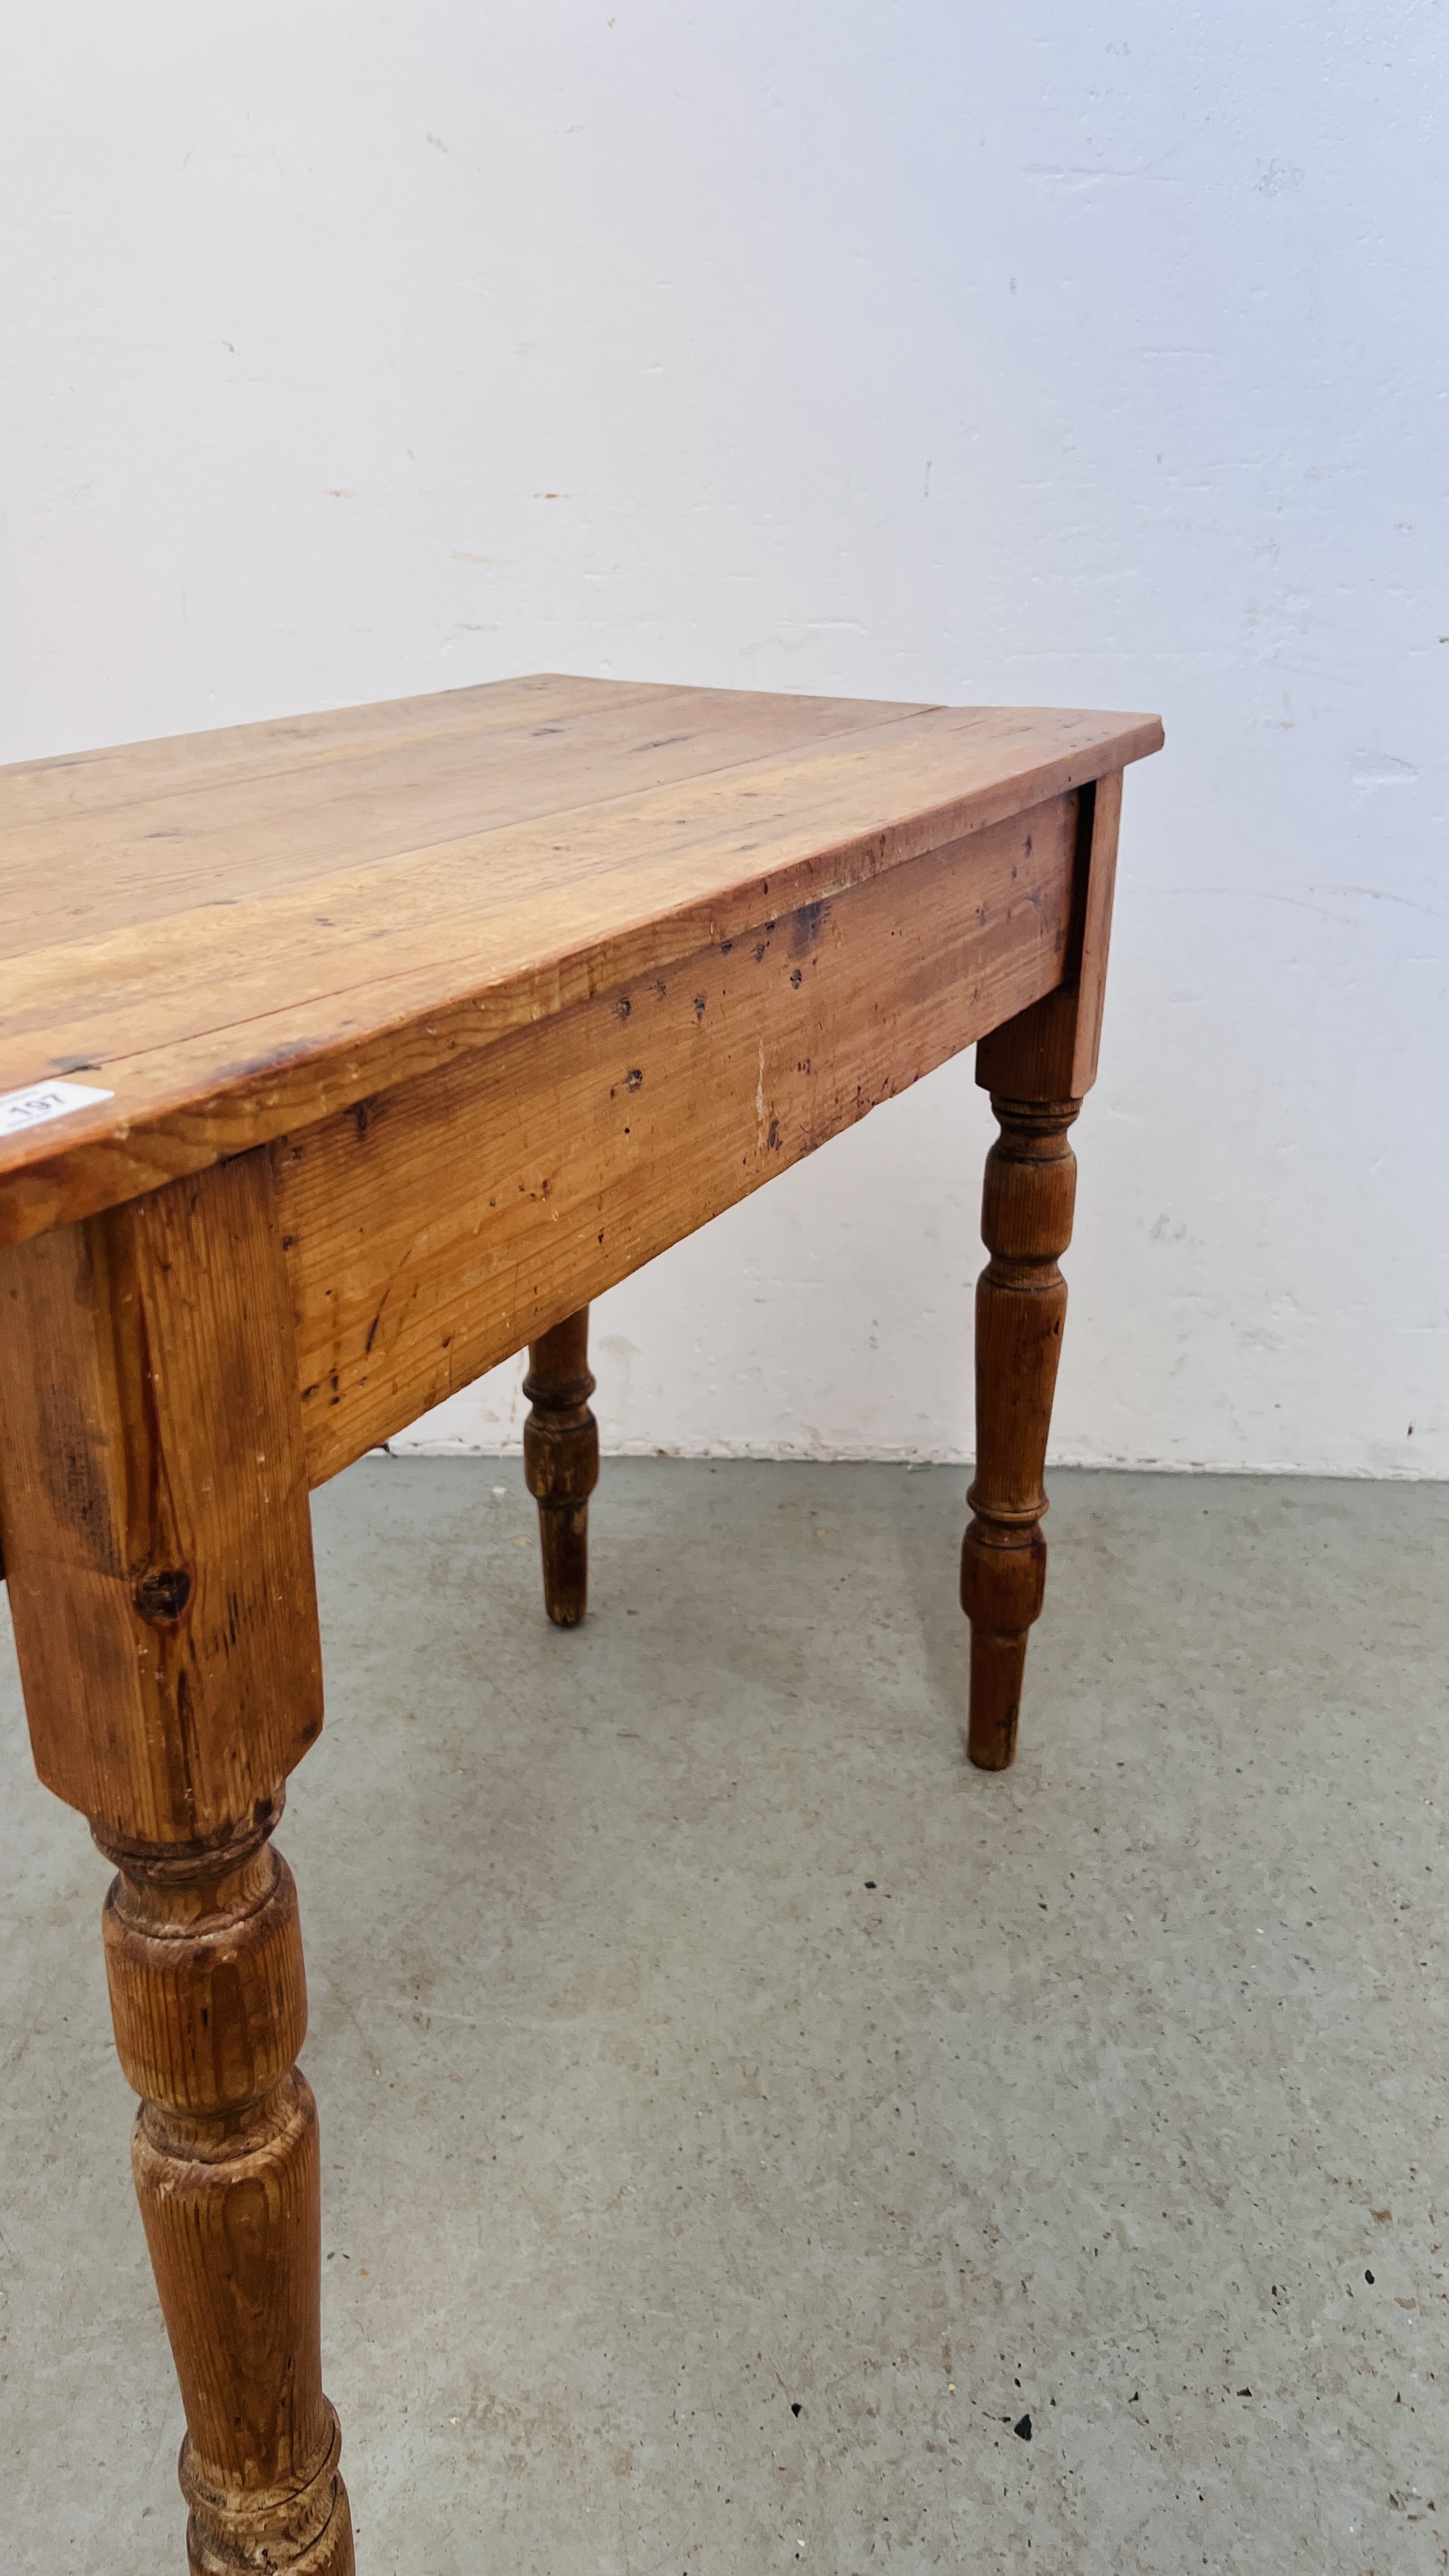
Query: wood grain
<point x="209" y="2001"/>
<point x="433" y="1230"/>
<point x="215" y="818"/>
<point x="425" y="1023"/>
<point x="154" y="1508"/>
<point x="222" y="1023"/>
<point x="158" y="1542"/>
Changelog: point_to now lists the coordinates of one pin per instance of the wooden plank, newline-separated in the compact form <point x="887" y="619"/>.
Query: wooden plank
<point x="204" y="827"/>
<point x="154" y="1507"/>
<point x="432" y="1230"/>
<point x="89" y="782"/>
<point x="218" y="1029"/>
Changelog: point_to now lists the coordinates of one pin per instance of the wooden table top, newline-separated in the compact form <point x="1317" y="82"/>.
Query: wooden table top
<point x="234" y="933"/>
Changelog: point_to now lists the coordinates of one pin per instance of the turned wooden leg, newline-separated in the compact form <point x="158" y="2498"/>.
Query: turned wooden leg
<point x="1037" y="1067"/>
<point x="1021" y="1304"/>
<point x="204" y="1960"/>
<point x="561" y="1462"/>
<point x="153" y="1493"/>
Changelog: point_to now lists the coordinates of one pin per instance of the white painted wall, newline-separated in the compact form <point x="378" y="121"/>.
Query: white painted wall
<point x="1038" y="353"/>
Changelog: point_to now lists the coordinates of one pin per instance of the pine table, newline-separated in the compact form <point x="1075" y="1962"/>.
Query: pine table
<point x="341" y="1057"/>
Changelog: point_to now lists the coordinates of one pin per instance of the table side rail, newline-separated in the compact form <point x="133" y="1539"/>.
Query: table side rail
<point x="433" y="1229"/>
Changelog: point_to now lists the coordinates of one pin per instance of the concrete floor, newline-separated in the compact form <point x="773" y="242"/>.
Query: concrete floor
<point x="739" y="2115"/>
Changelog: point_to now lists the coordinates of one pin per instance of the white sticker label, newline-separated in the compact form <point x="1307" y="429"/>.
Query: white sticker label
<point x="21" y="1109"/>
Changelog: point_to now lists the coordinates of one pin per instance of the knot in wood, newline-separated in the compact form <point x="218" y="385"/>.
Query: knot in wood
<point x="162" y="1593"/>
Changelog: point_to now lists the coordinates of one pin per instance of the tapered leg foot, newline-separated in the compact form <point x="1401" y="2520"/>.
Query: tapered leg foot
<point x="561" y="1462"/>
<point x="1002" y="1586"/>
<point x="1021" y="1304"/>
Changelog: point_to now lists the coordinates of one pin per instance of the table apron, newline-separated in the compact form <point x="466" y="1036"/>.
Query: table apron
<point x="432" y="1230"/>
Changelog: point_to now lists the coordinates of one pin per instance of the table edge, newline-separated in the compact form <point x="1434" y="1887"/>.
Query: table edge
<point x="107" y="1158"/>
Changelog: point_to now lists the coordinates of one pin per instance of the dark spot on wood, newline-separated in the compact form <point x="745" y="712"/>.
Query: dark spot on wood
<point x="372" y="1333"/>
<point x="186" y="1720"/>
<point x="797" y="977"/>
<point x="624" y="1007"/>
<point x="760" y="947"/>
<point x="1028" y="845"/>
<point x="806" y="926"/>
<point x="666" y="742"/>
<point x="725" y="946"/>
<point x="661" y="990"/>
<point x="162" y="1594"/>
<point x="699" y="1006"/>
<point x="773" y="1139"/>
<point x="287" y="1242"/>
<point x="288" y="1051"/>
<point x="633" y="1079"/>
<point x="359" y="1117"/>
<point x="540" y="730"/>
